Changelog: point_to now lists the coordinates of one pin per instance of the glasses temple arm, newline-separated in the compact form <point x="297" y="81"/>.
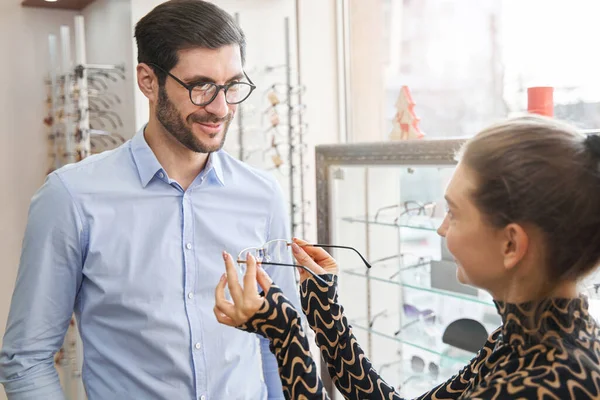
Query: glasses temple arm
<point x="331" y="246"/>
<point x="249" y="80"/>
<point x="384" y="208"/>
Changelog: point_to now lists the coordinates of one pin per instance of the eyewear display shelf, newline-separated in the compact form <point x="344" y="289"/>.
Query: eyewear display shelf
<point x="415" y="321"/>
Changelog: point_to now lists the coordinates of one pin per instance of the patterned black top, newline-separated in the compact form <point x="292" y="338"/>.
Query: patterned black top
<point x="558" y="359"/>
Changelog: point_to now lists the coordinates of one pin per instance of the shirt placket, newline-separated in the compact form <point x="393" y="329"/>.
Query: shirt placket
<point x="192" y="312"/>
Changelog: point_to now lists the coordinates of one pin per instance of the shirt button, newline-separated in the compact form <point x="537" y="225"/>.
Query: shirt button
<point x="190" y="295"/>
<point x="161" y="174"/>
<point x="188" y="246"/>
<point x="197" y="346"/>
<point x="203" y="397"/>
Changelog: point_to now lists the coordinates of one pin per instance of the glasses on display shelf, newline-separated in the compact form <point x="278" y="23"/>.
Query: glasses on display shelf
<point x="203" y="93"/>
<point x="113" y="75"/>
<point x="283" y="88"/>
<point x="102" y="140"/>
<point x="275" y="119"/>
<point x="277" y="89"/>
<point x="427" y="317"/>
<point x="408" y="261"/>
<point x="414" y="263"/>
<point x="593" y="290"/>
<point x="410" y="208"/>
<point x="276" y="252"/>
<point x="417" y="365"/>
<point x="107" y="99"/>
<point x="110" y="116"/>
<point x="383" y="314"/>
<point x="97" y="84"/>
<point x="300" y="206"/>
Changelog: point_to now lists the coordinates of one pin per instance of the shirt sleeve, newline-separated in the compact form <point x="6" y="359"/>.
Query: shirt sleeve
<point x="351" y="371"/>
<point x="48" y="280"/>
<point x="285" y="277"/>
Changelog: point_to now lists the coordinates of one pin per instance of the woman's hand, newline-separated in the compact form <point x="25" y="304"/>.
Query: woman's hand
<point x="314" y="258"/>
<point x="246" y="300"/>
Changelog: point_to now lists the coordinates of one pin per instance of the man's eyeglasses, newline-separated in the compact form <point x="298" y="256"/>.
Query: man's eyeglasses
<point x="202" y="94"/>
<point x="275" y="252"/>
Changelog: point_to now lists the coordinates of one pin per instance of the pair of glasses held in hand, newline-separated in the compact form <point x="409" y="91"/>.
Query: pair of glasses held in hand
<point x="276" y="252"/>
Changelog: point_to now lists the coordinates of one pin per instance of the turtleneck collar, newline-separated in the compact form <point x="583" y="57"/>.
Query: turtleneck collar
<point x="526" y="324"/>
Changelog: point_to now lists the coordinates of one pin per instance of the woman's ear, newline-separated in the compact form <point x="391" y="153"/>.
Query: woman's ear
<point x="515" y="243"/>
<point x="147" y="81"/>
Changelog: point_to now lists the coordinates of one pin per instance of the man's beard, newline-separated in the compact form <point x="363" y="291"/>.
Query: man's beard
<point x="168" y="116"/>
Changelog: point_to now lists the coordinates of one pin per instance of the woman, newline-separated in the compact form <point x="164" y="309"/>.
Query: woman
<point x="523" y="223"/>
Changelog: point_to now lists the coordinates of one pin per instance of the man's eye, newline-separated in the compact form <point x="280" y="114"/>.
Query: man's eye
<point x="203" y="86"/>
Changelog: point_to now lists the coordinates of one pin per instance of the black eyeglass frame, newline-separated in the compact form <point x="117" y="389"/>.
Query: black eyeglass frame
<point x="190" y="88"/>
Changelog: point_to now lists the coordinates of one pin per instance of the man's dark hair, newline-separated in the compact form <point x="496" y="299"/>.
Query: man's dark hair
<point x="184" y="24"/>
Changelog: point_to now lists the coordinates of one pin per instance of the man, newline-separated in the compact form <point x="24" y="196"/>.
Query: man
<point x="131" y="240"/>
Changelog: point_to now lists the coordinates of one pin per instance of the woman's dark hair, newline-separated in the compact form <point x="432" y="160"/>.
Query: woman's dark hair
<point x="183" y="24"/>
<point x="540" y="171"/>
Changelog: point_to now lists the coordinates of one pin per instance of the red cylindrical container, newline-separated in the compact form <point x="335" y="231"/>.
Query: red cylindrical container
<point x="540" y="100"/>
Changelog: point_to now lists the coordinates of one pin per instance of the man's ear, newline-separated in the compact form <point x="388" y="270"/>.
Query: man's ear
<point x="515" y="243"/>
<point x="147" y="81"/>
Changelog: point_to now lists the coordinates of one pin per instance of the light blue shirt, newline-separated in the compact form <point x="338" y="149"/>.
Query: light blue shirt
<point x="138" y="259"/>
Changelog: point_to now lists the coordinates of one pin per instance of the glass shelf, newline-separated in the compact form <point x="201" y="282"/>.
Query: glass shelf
<point x="407" y="284"/>
<point x="421" y="223"/>
<point x="411" y="381"/>
<point x="435" y="345"/>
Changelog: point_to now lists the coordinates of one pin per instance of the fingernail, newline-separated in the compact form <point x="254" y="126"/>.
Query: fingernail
<point x="223" y="277"/>
<point x="248" y="257"/>
<point x="295" y="248"/>
<point x="225" y="255"/>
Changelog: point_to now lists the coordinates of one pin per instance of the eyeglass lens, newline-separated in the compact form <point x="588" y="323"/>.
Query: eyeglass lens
<point x="234" y="93"/>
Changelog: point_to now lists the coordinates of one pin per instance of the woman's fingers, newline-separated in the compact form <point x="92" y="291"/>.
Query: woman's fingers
<point x="246" y="301"/>
<point x="316" y="253"/>
<point x="221" y="301"/>
<point x="220" y="289"/>
<point x="264" y="280"/>
<point x="304" y="259"/>
<point x="222" y="317"/>
<point x="303" y="273"/>
<point x="224" y="309"/>
<point x="232" y="279"/>
<point x="250" y="289"/>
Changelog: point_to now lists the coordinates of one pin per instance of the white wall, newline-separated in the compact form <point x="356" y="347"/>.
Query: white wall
<point x="139" y="8"/>
<point x="23" y="143"/>
<point x="108" y="41"/>
<point x="366" y="71"/>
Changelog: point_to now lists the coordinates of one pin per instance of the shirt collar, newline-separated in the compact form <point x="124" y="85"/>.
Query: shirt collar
<point x="148" y="166"/>
<point x="145" y="160"/>
<point x="215" y="164"/>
